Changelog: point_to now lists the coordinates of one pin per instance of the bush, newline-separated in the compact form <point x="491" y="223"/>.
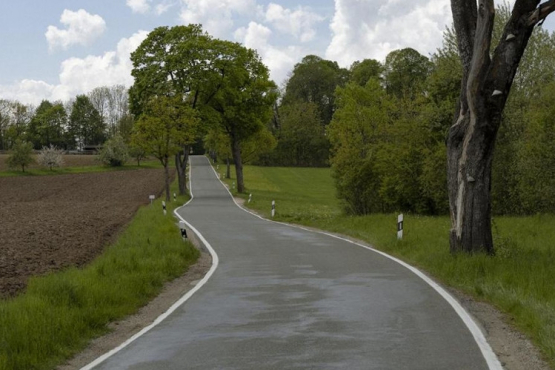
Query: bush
<point x="51" y="157"/>
<point x="138" y="153"/>
<point x="115" y="152"/>
<point x="21" y="155"/>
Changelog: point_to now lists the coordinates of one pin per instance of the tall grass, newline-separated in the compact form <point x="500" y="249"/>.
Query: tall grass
<point x="519" y="279"/>
<point x="59" y="313"/>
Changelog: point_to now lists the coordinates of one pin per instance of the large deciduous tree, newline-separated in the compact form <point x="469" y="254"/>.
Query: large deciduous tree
<point x="163" y="127"/>
<point x="486" y="82"/>
<point x="175" y="61"/>
<point x="86" y="126"/>
<point x="244" y="100"/>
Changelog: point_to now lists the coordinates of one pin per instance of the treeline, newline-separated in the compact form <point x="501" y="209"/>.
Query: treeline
<point x="382" y="128"/>
<point x="86" y="120"/>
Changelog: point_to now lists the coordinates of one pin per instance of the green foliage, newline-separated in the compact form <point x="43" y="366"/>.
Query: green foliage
<point x="165" y="125"/>
<point x="314" y="80"/>
<point x="86" y="126"/>
<point x="362" y="72"/>
<point x="114" y="153"/>
<point x="302" y="139"/>
<point x="60" y="313"/>
<point x="51" y="157"/>
<point x="47" y="126"/>
<point x="405" y="72"/>
<point x="21" y="155"/>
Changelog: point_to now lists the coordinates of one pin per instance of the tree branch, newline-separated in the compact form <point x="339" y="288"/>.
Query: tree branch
<point x="541" y="12"/>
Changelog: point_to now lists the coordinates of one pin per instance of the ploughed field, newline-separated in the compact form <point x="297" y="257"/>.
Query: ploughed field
<point x="51" y="222"/>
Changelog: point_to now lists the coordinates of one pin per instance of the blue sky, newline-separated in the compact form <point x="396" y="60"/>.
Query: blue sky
<point x="57" y="49"/>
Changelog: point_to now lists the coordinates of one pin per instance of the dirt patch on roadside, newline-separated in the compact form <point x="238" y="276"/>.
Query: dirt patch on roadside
<point x="48" y="223"/>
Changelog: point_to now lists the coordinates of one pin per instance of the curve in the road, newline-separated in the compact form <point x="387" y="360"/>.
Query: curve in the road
<point x="278" y="301"/>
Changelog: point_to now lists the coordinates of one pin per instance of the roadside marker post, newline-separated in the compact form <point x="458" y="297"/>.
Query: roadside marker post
<point x="183" y="230"/>
<point x="164" y="207"/>
<point x="174" y="197"/>
<point x="250" y="198"/>
<point x="233" y="185"/>
<point x="400" y="227"/>
<point x="273" y="208"/>
<point x="151" y="197"/>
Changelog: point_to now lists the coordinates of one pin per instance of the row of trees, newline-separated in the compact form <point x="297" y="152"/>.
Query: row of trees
<point x="383" y="128"/>
<point x="183" y="75"/>
<point x="86" y="120"/>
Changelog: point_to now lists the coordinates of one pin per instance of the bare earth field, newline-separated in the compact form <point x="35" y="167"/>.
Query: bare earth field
<point x="51" y="222"/>
<point x="69" y="161"/>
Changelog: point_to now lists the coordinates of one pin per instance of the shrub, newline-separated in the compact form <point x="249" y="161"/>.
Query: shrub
<point x="115" y="152"/>
<point x="51" y="157"/>
<point x="138" y="153"/>
<point x="21" y="155"/>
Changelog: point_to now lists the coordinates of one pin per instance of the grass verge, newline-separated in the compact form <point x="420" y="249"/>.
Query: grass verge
<point x="518" y="280"/>
<point x="60" y="313"/>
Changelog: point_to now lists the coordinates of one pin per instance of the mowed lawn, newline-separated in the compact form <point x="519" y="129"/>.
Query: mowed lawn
<point x="519" y="280"/>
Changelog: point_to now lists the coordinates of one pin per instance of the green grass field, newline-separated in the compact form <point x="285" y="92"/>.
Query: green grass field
<point x="59" y="313"/>
<point x="518" y="280"/>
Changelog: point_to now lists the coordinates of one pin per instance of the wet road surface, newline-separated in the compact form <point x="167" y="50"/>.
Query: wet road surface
<point x="285" y="298"/>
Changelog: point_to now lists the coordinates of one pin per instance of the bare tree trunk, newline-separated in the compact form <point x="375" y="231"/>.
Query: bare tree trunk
<point x="167" y="182"/>
<point x="485" y="87"/>
<point x="181" y="160"/>
<point x="236" y="152"/>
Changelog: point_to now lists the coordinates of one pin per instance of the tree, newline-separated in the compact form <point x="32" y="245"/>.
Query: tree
<point x="48" y="125"/>
<point x="302" y="137"/>
<point x="21" y="155"/>
<point x="314" y="80"/>
<point x="86" y="126"/>
<point x="176" y="61"/>
<point x="362" y="72"/>
<point x="245" y="99"/>
<point x="487" y="78"/>
<point x="112" y="104"/>
<point x="114" y="153"/>
<point x="166" y="123"/>
<point x="405" y="71"/>
<point x="51" y="157"/>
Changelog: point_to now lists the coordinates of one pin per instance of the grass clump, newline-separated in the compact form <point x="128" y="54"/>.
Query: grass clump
<point x="518" y="280"/>
<point x="59" y="313"/>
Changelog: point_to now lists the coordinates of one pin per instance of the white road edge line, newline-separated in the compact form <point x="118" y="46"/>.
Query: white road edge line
<point x="181" y="301"/>
<point x="490" y="356"/>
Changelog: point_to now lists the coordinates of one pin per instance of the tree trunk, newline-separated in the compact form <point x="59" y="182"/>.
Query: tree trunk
<point x="470" y="159"/>
<point x="167" y="175"/>
<point x="236" y="152"/>
<point x="181" y="160"/>
<point x="486" y="83"/>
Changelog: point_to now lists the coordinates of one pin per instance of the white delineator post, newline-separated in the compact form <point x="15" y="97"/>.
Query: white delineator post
<point x="164" y="207"/>
<point x="183" y="230"/>
<point x="151" y="197"/>
<point x="250" y="198"/>
<point x="273" y="208"/>
<point x="174" y="197"/>
<point x="400" y="227"/>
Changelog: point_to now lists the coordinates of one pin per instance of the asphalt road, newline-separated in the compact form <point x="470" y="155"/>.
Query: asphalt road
<point x="286" y="298"/>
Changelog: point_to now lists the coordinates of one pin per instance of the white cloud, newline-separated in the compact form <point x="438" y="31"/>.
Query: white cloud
<point x="216" y="16"/>
<point x="139" y="6"/>
<point x="299" y="23"/>
<point x="373" y="29"/>
<point x="80" y="75"/>
<point x="82" y="29"/>
<point x="280" y="61"/>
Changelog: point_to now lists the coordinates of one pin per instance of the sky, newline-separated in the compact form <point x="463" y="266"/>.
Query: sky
<point x="57" y="49"/>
